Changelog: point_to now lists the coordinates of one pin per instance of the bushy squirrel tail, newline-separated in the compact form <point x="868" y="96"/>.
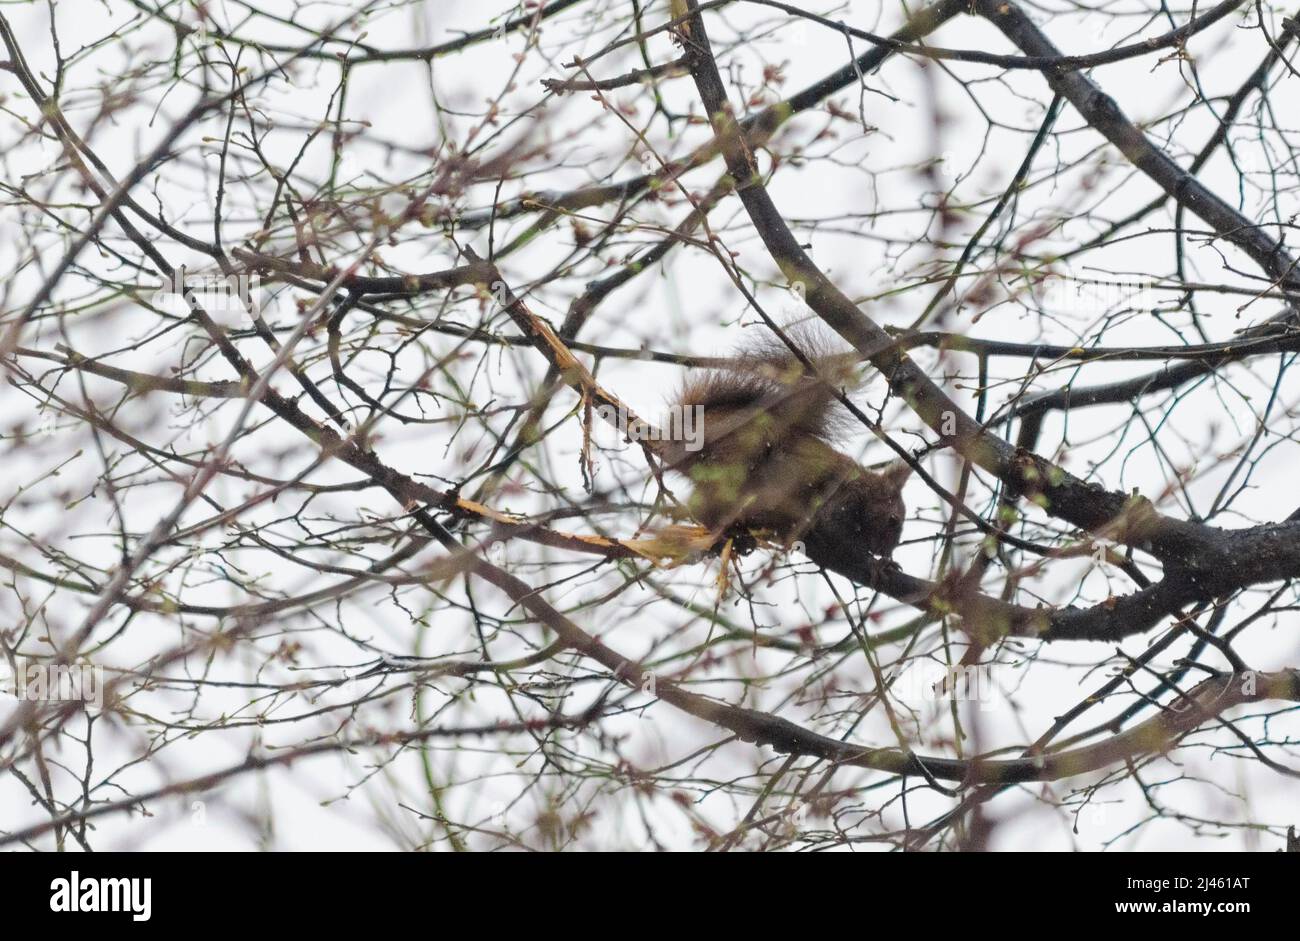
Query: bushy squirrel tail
<point x="767" y="396"/>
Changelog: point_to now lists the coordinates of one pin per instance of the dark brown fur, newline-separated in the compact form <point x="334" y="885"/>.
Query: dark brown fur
<point x="767" y="460"/>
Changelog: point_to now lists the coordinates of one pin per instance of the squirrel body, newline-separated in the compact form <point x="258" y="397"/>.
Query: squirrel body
<point x="766" y="458"/>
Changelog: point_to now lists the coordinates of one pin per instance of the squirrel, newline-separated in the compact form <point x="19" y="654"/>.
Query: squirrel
<point x="766" y="459"/>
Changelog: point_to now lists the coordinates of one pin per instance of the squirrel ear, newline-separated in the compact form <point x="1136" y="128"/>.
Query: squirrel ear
<point x="896" y="472"/>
